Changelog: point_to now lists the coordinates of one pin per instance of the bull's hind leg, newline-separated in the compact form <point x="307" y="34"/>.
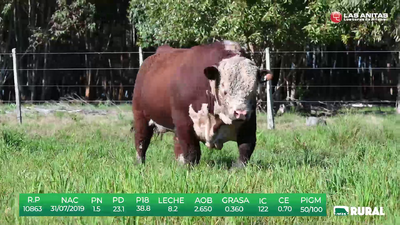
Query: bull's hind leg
<point x="143" y="134"/>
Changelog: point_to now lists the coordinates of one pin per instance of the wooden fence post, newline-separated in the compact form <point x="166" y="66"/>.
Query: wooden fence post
<point x="140" y="56"/>
<point x="270" y="104"/>
<point x="16" y="86"/>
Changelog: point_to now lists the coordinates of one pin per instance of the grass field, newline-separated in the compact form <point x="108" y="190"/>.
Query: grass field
<point x="355" y="160"/>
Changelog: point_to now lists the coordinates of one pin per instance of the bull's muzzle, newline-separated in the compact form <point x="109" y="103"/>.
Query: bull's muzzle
<point x="240" y="114"/>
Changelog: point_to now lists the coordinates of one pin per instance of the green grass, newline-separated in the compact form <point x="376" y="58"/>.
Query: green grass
<point x="355" y="160"/>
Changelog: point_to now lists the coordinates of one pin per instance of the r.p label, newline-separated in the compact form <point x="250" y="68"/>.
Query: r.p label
<point x="33" y="200"/>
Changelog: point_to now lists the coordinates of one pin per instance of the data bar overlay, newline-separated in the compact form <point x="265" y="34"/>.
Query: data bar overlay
<point x="172" y="204"/>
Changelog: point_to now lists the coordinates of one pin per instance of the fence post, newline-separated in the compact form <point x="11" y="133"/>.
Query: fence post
<point x="398" y="91"/>
<point x="140" y="56"/>
<point x="16" y="86"/>
<point x="270" y="104"/>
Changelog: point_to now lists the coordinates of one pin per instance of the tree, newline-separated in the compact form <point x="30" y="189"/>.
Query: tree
<point x="184" y="23"/>
<point x="282" y="25"/>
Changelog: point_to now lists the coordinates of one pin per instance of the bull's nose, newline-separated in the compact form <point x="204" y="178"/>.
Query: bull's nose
<point x="240" y="114"/>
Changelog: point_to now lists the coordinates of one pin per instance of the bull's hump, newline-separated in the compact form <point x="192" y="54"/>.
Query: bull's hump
<point x="233" y="47"/>
<point x="164" y="48"/>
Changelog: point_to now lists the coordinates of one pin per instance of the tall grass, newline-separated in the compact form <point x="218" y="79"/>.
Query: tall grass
<point x="354" y="160"/>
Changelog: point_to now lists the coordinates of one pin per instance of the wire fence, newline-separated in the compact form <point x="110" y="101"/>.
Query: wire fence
<point x="363" y="68"/>
<point x="130" y="101"/>
<point x="132" y="85"/>
<point x="273" y="68"/>
<point x="152" y="52"/>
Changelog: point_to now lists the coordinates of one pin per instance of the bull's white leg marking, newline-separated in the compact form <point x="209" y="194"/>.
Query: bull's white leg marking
<point x="181" y="159"/>
<point x="138" y="158"/>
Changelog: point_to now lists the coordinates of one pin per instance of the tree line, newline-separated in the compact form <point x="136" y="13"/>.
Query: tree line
<point x="37" y="28"/>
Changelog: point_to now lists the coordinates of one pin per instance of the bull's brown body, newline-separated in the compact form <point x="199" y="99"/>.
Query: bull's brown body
<point x="169" y="82"/>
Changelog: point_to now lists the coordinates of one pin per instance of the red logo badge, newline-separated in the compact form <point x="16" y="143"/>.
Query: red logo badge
<point x="336" y="17"/>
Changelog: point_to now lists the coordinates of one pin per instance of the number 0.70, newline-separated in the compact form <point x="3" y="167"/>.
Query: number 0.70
<point x="284" y="208"/>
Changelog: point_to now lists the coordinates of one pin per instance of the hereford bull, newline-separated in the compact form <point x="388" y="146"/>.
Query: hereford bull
<point x="206" y="93"/>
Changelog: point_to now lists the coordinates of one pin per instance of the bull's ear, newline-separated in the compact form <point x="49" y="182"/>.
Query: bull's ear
<point x="211" y="72"/>
<point x="265" y="75"/>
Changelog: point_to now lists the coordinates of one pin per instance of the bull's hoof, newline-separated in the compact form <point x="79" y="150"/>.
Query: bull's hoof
<point x="181" y="160"/>
<point x="238" y="165"/>
<point x="219" y="146"/>
<point x="214" y="146"/>
<point x="186" y="162"/>
<point x="139" y="160"/>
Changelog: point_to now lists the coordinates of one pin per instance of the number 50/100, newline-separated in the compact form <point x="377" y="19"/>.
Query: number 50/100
<point x="311" y="209"/>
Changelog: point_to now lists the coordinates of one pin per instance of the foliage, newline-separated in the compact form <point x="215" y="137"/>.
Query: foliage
<point x="6" y="10"/>
<point x="120" y="25"/>
<point x="185" y="22"/>
<point x="75" y="18"/>
<point x="282" y="24"/>
<point x="176" y="22"/>
<point x="322" y="30"/>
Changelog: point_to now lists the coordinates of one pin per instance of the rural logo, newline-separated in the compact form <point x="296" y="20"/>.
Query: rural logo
<point x="336" y="17"/>
<point x="358" y="211"/>
<point x="341" y="210"/>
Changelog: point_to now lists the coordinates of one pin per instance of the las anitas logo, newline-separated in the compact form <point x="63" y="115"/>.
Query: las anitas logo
<point x="357" y="211"/>
<point x="336" y="17"/>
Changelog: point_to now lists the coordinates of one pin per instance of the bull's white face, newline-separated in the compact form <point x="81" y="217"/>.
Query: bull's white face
<point x="235" y="82"/>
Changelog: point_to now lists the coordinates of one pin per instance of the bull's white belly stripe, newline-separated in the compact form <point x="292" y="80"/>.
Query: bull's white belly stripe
<point x="160" y="129"/>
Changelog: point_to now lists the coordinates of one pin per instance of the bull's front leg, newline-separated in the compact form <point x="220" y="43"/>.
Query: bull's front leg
<point x="246" y="140"/>
<point x="187" y="142"/>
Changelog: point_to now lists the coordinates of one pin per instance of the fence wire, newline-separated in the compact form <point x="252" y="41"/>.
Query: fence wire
<point x="130" y="101"/>
<point x="132" y="85"/>
<point x="315" y="52"/>
<point x="152" y="52"/>
<point x="273" y="68"/>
